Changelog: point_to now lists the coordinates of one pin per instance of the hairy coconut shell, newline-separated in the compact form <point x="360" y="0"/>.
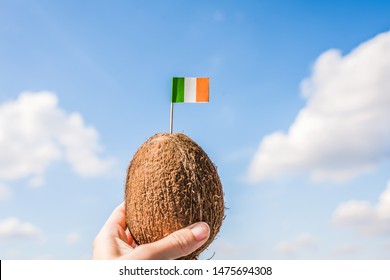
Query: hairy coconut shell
<point x="171" y="183"/>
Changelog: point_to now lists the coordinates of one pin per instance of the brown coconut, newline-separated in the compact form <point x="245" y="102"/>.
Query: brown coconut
<point x="171" y="183"/>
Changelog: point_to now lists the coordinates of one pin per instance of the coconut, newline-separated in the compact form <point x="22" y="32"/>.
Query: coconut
<point x="171" y="183"/>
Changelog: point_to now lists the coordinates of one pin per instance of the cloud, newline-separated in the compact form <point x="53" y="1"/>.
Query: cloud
<point x="222" y="248"/>
<point x="44" y="257"/>
<point x="72" y="238"/>
<point x="364" y="217"/>
<point x="5" y="192"/>
<point x="304" y="241"/>
<point x="13" y="228"/>
<point x="35" y="132"/>
<point x="344" y="128"/>
<point x="346" y="250"/>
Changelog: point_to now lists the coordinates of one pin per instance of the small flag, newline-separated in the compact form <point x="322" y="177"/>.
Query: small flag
<point x="190" y="90"/>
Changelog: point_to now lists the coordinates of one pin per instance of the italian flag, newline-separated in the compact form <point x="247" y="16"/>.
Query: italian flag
<point x="190" y="90"/>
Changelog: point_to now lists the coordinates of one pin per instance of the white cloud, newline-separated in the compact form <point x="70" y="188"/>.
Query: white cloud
<point x="304" y="241"/>
<point x="14" y="228"/>
<point x="346" y="250"/>
<point x="72" y="238"/>
<point x="222" y="248"/>
<point x="35" y="132"/>
<point x="5" y="192"/>
<point x="12" y="254"/>
<point x="344" y="128"/>
<point x="364" y="217"/>
<point x="44" y="257"/>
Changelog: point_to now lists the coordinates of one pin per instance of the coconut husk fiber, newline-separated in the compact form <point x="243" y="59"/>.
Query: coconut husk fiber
<point x="171" y="183"/>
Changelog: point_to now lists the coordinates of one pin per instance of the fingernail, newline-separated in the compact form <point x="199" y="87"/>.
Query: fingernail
<point x="200" y="231"/>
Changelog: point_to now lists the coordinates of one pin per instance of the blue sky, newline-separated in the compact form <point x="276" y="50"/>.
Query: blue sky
<point x="296" y="124"/>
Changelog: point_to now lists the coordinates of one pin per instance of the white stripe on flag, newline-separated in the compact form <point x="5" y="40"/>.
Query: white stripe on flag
<point x="190" y="90"/>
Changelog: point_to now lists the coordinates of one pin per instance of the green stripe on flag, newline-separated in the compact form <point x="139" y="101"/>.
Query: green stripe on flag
<point x="178" y="90"/>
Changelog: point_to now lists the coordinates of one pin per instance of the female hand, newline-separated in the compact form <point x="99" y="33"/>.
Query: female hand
<point x="115" y="242"/>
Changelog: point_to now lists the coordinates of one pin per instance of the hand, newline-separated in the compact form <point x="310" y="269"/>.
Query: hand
<point x="115" y="242"/>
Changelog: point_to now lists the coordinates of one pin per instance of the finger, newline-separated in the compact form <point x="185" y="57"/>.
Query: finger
<point x="178" y="244"/>
<point x="118" y="217"/>
<point x="130" y="239"/>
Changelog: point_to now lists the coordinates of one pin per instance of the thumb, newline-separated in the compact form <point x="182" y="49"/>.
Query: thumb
<point x="178" y="244"/>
